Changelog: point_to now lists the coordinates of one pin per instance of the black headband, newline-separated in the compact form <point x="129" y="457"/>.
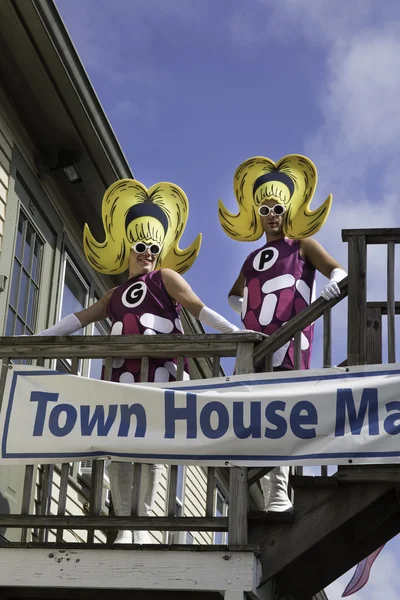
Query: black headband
<point x="274" y="176"/>
<point x="146" y="209"/>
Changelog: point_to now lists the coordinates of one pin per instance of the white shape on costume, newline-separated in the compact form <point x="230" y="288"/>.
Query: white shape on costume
<point x="178" y="325"/>
<point x="161" y="375"/>
<point x="278" y="283"/>
<point x="118" y="362"/>
<point x="149" y="332"/>
<point x="265" y="259"/>
<point x="172" y="368"/>
<point x="127" y="378"/>
<point x="268" y="309"/>
<point x="245" y="300"/>
<point x="279" y="355"/>
<point x="304" y="290"/>
<point x="160" y="324"/>
<point x="117" y="330"/>
<point x="305" y="344"/>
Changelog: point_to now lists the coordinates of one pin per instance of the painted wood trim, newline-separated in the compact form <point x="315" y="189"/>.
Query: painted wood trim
<point x="128" y="569"/>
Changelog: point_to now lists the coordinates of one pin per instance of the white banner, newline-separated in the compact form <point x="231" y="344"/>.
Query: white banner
<point x="327" y="416"/>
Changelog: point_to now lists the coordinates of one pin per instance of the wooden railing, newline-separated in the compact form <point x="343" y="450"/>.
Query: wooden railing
<point x="364" y="347"/>
<point x="214" y="347"/>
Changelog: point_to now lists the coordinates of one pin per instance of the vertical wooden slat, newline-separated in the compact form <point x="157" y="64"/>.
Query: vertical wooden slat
<point x="324" y="470"/>
<point x="172" y="483"/>
<point x="180" y="364"/>
<point x="45" y="497"/>
<point x="244" y="358"/>
<point x="5" y="368"/>
<point x="238" y="506"/>
<point x="374" y="335"/>
<point x="268" y="364"/>
<point x="297" y="350"/>
<point x="108" y="369"/>
<point x="327" y="356"/>
<point x="74" y="365"/>
<point x="62" y="498"/>
<point x="298" y="470"/>
<point x="137" y="479"/>
<point x="27" y="496"/>
<point x="211" y="483"/>
<point x="144" y="369"/>
<point x="96" y="491"/>
<point x="357" y="303"/>
<point x="216" y="366"/>
<point x="391" y="302"/>
<point x="238" y="489"/>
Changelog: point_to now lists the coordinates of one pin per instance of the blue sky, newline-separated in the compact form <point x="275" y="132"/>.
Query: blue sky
<point x="192" y="88"/>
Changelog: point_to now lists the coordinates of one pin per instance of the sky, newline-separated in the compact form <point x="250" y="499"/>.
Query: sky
<point x="193" y="88"/>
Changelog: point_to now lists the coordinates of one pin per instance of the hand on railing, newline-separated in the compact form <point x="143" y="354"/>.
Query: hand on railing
<point x="331" y="290"/>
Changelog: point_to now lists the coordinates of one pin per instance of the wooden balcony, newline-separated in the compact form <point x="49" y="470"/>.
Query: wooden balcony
<point x="339" y="519"/>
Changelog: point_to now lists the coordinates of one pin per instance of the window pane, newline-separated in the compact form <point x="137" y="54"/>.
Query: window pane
<point x="15" y="284"/>
<point x="179" y="484"/>
<point x="37" y="259"/>
<point x="28" y="249"/>
<point x="219" y="509"/>
<point x="31" y="312"/>
<point x="20" y="327"/>
<point x="10" y="322"/>
<point x="96" y="364"/>
<point x="23" y="293"/>
<point x="74" y="294"/>
<point x="18" y="242"/>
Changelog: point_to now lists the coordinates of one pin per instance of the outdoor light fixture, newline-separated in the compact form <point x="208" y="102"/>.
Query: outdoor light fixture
<point x="67" y="164"/>
<point x="60" y="160"/>
<point x="72" y="173"/>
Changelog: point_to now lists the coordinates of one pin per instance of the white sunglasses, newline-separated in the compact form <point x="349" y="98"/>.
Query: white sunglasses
<point x="278" y="210"/>
<point x="141" y="247"/>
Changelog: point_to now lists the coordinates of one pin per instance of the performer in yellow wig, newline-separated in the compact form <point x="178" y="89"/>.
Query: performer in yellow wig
<point x="131" y="213"/>
<point x="276" y="281"/>
<point x="142" y="230"/>
<point x="290" y="182"/>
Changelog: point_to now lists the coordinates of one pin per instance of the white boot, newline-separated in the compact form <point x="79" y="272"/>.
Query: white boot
<point x="275" y="490"/>
<point x="150" y="481"/>
<point x="121" y="481"/>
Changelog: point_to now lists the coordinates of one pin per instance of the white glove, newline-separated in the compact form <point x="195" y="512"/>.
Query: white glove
<point x="213" y="319"/>
<point x="236" y="303"/>
<point x="331" y="290"/>
<point x="66" y="326"/>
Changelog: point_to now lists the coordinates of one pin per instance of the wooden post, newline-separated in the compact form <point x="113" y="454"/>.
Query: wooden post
<point x="244" y="358"/>
<point x="297" y="350"/>
<point x="391" y="303"/>
<point x="238" y="506"/>
<point x="327" y="356"/>
<point x="374" y="335"/>
<point x="357" y="306"/>
<point x="238" y="487"/>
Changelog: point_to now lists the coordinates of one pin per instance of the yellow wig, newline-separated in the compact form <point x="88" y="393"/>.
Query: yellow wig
<point x="133" y="213"/>
<point x="291" y="182"/>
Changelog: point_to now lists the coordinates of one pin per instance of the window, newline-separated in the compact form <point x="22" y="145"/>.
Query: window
<point x="26" y="277"/>
<point x="75" y="297"/>
<point x="221" y="510"/>
<point x="96" y="364"/>
<point x="179" y="491"/>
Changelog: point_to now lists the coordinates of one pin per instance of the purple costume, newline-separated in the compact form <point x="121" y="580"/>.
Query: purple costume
<point x="279" y="284"/>
<point x="143" y="306"/>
